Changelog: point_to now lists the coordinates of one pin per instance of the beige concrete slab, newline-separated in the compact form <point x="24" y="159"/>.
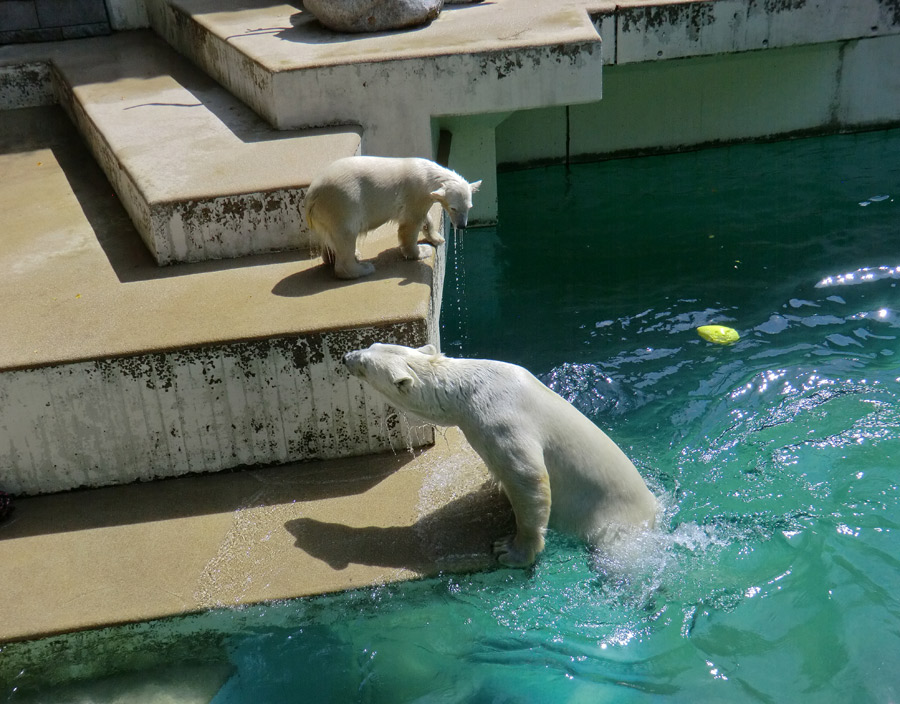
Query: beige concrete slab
<point x="283" y="37"/>
<point x="201" y="175"/>
<point x="92" y="558"/>
<point x="176" y="131"/>
<point x="79" y="284"/>
<point x="489" y="57"/>
<point x="180" y="135"/>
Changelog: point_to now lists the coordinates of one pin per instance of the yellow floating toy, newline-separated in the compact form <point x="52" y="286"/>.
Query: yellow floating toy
<point x="718" y="334"/>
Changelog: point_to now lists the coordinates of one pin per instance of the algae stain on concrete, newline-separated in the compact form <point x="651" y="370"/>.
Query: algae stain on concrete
<point x="693" y="16"/>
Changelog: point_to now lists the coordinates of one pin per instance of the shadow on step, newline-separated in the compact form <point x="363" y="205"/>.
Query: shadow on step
<point x="196" y="495"/>
<point x="128" y="256"/>
<point x="389" y="264"/>
<point x="454" y="535"/>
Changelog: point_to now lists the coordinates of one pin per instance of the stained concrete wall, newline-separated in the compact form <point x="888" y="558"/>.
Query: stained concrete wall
<point x="669" y="105"/>
<point x="157" y="415"/>
<point x="51" y="20"/>
<point x="26" y="85"/>
<point x="127" y="14"/>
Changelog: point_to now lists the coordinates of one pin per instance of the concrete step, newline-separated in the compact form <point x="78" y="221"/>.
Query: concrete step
<point x="200" y="174"/>
<point x="87" y="559"/>
<point x="402" y="87"/>
<point x="113" y="369"/>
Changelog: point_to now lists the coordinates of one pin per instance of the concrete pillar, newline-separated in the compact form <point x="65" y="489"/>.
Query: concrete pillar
<point x="473" y="155"/>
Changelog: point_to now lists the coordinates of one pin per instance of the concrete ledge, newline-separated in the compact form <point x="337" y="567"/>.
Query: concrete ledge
<point x="201" y="176"/>
<point x="487" y="57"/>
<point x="672" y="29"/>
<point x="119" y="370"/>
<point x="102" y="557"/>
<point x="708" y="100"/>
<point x="114" y="421"/>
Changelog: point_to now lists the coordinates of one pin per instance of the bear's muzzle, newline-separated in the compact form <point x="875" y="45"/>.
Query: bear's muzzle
<point x="354" y="362"/>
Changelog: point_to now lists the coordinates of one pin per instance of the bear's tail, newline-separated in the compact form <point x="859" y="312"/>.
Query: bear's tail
<point x="319" y="243"/>
<point x="309" y="206"/>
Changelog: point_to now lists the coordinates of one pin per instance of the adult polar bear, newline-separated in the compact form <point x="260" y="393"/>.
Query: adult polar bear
<point x="359" y="193"/>
<point x="535" y="443"/>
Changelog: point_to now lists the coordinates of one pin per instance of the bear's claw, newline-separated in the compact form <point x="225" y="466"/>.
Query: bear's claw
<point x="510" y="555"/>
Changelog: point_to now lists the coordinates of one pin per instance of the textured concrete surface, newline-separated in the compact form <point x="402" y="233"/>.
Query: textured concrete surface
<point x="120" y="370"/>
<point x="638" y="30"/>
<point x="284" y="37"/>
<point x="50" y="20"/>
<point x="78" y="283"/>
<point x="200" y="174"/>
<point x="479" y="58"/>
<point x="124" y="554"/>
<point x="706" y="100"/>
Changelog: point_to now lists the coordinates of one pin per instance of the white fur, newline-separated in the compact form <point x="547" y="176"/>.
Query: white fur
<point x="359" y="193"/>
<point x="536" y="444"/>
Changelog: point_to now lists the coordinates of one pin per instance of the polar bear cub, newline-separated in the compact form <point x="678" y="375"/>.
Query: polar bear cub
<point x="539" y="447"/>
<point x="359" y="193"/>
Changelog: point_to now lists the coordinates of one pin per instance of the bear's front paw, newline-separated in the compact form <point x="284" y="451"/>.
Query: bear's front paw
<point x="432" y="234"/>
<point x="510" y="554"/>
<point x="434" y="237"/>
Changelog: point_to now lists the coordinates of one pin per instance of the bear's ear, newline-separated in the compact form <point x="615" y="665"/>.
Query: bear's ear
<point x="402" y="381"/>
<point x="475" y="186"/>
<point x="430" y="350"/>
<point x="404" y="384"/>
<point x="440" y="195"/>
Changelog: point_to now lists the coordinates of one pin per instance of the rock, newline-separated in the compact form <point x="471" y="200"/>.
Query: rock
<point x="372" y="15"/>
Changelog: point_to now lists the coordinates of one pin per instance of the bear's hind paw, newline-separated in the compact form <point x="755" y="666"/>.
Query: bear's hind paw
<point x="510" y="555"/>
<point x="353" y="270"/>
<point x="421" y="251"/>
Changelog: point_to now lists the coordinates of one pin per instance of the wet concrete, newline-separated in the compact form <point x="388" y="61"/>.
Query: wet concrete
<point x="86" y="559"/>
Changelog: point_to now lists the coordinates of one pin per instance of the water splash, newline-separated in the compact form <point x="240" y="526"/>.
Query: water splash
<point x="874" y="199"/>
<point x="863" y="275"/>
<point x="455" y="295"/>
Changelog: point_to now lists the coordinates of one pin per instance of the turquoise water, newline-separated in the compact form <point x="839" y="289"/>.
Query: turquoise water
<point x="775" y="577"/>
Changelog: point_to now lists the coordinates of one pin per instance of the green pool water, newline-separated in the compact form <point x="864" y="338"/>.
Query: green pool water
<point x="775" y="577"/>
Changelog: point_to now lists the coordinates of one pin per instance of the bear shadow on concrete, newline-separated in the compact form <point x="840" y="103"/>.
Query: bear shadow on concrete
<point x="457" y="535"/>
<point x="389" y="264"/>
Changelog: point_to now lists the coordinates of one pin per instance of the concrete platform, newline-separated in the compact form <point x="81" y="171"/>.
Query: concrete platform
<point x="119" y="370"/>
<point x="201" y="175"/>
<point x="117" y="555"/>
<point x="489" y="57"/>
